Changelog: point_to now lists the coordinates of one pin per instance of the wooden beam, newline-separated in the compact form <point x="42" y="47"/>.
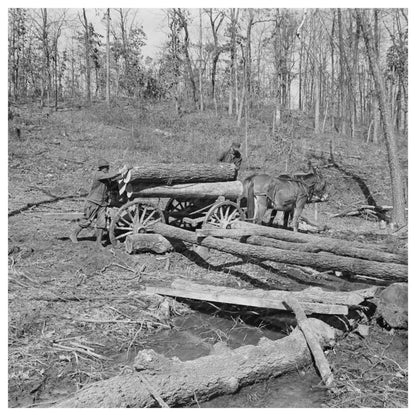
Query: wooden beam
<point x="312" y="341"/>
<point x="243" y="297"/>
<point x="310" y="294"/>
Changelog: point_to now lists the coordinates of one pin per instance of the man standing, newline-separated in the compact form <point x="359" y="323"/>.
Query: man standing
<point x="96" y="200"/>
<point x="233" y="155"/>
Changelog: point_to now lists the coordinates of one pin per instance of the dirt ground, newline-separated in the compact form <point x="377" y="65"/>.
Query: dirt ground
<point x="74" y="310"/>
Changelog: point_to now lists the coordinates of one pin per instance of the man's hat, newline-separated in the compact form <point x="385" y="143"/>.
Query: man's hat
<point x="103" y="163"/>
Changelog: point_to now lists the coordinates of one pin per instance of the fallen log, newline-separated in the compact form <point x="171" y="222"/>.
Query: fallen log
<point x="335" y="246"/>
<point x="313" y="343"/>
<point x="147" y="242"/>
<point x="259" y="299"/>
<point x="212" y="190"/>
<point x="325" y="242"/>
<point x="175" y="173"/>
<point x="388" y="271"/>
<point x="178" y="383"/>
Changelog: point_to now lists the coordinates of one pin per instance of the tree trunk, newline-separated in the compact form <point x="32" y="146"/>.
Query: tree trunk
<point x="385" y="271"/>
<point x="398" y="214"/>
<point x="87" y="56"/>
<point x="223" y="372"/>
<point x="210" y="190"/>
<point x="107" y="84"/>
<point x="166" y="173"/>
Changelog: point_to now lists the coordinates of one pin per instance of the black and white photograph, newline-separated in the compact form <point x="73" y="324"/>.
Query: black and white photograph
<point x="207" y="205"/>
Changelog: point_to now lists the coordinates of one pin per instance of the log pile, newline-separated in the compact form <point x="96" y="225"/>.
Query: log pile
<point x="321" y="261"/>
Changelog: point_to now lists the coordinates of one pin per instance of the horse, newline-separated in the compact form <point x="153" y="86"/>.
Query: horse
<point x="283" y="193"/>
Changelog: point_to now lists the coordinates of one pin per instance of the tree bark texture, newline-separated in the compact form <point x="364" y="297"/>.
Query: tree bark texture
<point x="393" y="158"/>
<point x="388" y="271"/>
<point x="229" y="190"/>
<point x="223" y="372"/>
<point x="166" y="173"/>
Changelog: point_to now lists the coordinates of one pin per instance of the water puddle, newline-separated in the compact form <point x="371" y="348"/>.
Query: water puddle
<point x="193" y="336"/>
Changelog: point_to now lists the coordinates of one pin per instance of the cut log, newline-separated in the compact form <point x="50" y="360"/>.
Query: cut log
<point x="229" y="190"/>
<point x="147" y="242"/>
<point x="259" y="299"/>
<point x="313" y="343"/>
<point x="335" y="246"/>
<point x="175" y="173"/>
<point x="224" y="372"/>
<point x="387" y="271"/>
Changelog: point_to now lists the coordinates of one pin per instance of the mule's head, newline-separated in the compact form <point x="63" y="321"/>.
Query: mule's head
<point x="318" y="186"/>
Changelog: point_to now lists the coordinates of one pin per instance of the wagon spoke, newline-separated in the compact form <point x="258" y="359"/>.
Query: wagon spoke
<point x="146" y="220"/>
<point x="124" y="228"/>
<point x="143" y="214"/>
<point x="124" y="220"/>
<point x="153" y="222"/>
<point x="123" y="235"/>
<point x="216" y="217"/>
<point x="131" y="217"/>
<point x="227" y="211"/>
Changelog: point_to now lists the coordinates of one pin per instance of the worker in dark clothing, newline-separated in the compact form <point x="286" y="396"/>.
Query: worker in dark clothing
<point x="96" y="200"/>
<point x="233" y="155"/>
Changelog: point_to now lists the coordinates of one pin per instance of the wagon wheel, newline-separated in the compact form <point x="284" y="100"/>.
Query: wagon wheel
<point x="133" y="218"/>
<point x="224" y="214"/>
<point x="176" y="211"/>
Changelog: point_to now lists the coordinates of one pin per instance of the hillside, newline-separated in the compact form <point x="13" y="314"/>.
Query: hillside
<point x="57" y="290"/>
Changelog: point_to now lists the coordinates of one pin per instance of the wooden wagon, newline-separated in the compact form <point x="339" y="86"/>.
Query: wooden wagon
<point x="137" y="203"/>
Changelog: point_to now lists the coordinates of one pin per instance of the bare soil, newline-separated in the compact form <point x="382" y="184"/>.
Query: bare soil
<point x="74" y="309"/>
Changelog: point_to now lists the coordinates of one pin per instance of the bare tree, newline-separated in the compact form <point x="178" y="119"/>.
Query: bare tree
<point x="107" y="89"/>
<point x="87" y="47"/>
<point x="398" y="216"/>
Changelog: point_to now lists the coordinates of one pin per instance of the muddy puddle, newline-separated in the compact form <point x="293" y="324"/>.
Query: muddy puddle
<point x="193" y="336"/>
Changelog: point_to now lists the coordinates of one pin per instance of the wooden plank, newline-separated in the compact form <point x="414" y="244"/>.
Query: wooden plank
<point x="229" y="296"/>
<point x="312" y="340"/>
<point x="310" y="294"/>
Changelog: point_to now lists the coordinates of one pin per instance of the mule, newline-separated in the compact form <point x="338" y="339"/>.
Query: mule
<point x="283" y="193"/>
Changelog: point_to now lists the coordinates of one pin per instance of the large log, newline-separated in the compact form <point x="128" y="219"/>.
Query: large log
<point x="342" y="248"/>
<point x="175" y="173"/>
<point x="212" y="190"/>
<point x="179" y="383"/>
<point x="320" y="261"/>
